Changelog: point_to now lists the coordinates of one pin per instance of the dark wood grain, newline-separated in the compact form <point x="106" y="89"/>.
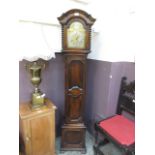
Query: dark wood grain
<point x="73" y="129"/>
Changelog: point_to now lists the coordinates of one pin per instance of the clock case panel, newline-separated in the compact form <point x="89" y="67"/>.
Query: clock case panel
<point x="75" y="83"/>
<point x="73" y="129"/>
<point x="73" y="138"/>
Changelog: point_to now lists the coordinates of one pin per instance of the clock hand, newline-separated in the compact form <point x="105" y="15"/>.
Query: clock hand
<point x="77" y="37"/>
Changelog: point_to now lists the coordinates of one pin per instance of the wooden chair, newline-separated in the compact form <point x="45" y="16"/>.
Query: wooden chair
<point x="119" y="129"/>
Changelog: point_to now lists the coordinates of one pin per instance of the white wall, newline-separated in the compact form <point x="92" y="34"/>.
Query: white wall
<point x="116" y="27"/>
<point x="113" y="39"/>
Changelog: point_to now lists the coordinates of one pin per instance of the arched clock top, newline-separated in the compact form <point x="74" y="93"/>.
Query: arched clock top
<point x="76" y="14"/>
<point x="76" y="31"/>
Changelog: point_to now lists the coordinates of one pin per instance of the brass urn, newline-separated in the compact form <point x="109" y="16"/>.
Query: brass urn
<point x="38" y="97"/>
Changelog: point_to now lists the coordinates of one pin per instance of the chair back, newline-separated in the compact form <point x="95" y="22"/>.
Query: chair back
<point x="126" y="100"/>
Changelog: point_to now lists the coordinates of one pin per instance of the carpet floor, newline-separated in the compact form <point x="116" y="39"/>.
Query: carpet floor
<point x="108" y="149"/>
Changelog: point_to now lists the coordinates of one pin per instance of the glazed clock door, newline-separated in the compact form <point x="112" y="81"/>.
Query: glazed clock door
<point x="75" y="87"/>
<point x="76" y="35"/>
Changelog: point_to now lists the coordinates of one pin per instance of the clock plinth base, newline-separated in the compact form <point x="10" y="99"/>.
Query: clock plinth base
<point x="73" y="137"/>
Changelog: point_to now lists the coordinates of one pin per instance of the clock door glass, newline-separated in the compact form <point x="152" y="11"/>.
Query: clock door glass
<point x="76" y="35"/>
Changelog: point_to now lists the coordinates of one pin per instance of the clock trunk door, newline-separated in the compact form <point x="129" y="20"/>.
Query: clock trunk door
<point x="75" y="88"/>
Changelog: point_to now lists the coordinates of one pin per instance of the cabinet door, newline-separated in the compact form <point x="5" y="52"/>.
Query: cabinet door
<point x="25" y="131"/>
<point x="75" y="88"/>
<point x="39" y="135"/>
<point x="42" y="135"/>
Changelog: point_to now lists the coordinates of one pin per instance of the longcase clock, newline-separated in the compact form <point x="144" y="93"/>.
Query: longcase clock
<point x="76" y="36"/>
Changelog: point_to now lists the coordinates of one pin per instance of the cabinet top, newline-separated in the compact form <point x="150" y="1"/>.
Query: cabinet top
<point x="25" y="110"/>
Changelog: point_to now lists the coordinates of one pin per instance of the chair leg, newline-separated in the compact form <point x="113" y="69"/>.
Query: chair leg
<point x="104" y="142"/>
<point x="97" y="145"/>
<point x="97" y="151"/>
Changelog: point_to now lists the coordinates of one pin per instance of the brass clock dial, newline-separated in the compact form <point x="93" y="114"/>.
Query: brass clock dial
<point x="76" y="35"/>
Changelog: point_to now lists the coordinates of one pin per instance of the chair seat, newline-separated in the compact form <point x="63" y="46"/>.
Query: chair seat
<point x="120" y="128"/>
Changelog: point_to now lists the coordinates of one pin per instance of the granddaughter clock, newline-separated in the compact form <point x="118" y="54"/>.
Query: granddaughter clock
<point x="76" y="37"/>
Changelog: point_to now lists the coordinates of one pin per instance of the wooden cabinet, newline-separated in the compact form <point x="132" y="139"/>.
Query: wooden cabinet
<point x="37" y="128"/>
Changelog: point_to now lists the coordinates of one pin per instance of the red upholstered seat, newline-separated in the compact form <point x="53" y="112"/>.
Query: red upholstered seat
<point x="120" y="128"/>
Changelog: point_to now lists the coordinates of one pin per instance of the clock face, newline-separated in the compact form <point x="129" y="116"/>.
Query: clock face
<point x="76" y="35"/>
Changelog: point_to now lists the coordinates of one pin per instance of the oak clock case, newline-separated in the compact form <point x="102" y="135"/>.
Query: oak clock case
<point x="76" y="35"/>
